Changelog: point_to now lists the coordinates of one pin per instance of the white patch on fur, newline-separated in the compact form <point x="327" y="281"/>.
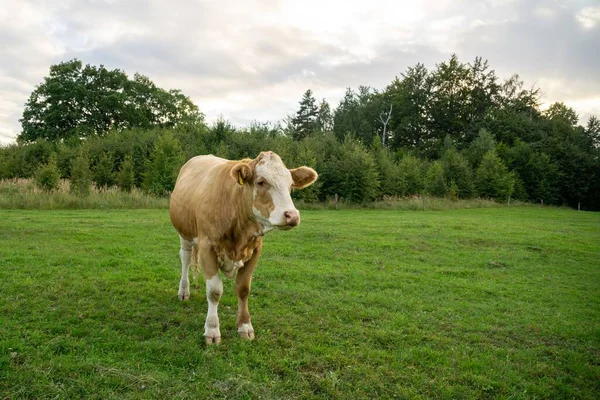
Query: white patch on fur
<point x="211" y="326"/>
<point x="246" y="328"/>
<point x="280" y="179"/>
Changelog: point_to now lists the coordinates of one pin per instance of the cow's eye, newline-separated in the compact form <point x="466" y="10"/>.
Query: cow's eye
<point x="260" y="183"/>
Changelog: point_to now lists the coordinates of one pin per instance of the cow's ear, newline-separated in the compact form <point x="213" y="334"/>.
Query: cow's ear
<point x="303" y="177"/>
<point x="242" y="173"/>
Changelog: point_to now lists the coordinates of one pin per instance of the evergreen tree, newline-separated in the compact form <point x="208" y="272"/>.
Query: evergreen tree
<point x="324" y="121"/>
<point x="592" y="130"/>
<point x="493" y="180"/>
<point x="305" y="121"/>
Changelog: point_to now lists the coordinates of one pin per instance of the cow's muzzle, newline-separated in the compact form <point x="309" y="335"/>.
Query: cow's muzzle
<point x="292" y="218"/>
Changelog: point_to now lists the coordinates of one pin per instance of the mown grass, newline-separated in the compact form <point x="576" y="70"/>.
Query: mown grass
<point x="482" y="303"/>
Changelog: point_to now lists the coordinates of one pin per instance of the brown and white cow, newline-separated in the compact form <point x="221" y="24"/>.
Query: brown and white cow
<point x="221" y="210"/>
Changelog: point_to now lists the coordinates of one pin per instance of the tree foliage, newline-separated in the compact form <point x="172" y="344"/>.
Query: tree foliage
<point x="77" y="101"/>
<point x="454" y="130"/>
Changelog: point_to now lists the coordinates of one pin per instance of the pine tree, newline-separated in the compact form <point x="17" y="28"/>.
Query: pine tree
<point x="305" y="121"/>
<point x="324" y="121"/>
<point x="492" y="178"/>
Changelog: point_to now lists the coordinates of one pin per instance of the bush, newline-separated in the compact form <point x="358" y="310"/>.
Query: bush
<point x="410" y="170"/>
<point x="47" y="176"/>
<point x="493" y="180"/>
<point x="163" y="167"/>
<point x="81" y="178"/>
<point x="103" y="172"/>
<point x="352" y="175"/>
<point x="458" y="173"/>
<point x="126" y="176"/>
<point x="389" y="174"/>
<point x="435" y="185"/>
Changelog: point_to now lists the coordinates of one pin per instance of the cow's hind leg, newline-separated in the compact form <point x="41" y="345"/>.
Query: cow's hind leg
<point x="185" y="253"/>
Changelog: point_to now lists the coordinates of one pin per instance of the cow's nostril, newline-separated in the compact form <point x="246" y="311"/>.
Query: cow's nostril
<point x="292" y="218"/>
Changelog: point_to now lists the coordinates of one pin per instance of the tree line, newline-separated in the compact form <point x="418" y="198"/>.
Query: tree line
<point x="456" y="131"/>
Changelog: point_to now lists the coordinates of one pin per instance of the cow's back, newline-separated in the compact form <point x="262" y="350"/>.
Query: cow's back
<point x="195" y="194"/>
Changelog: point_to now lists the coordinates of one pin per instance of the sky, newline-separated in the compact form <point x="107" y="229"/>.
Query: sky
<point x="252" y="60"/>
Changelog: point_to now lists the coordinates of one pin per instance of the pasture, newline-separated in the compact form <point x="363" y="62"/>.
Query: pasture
<point x="480" y="303"/>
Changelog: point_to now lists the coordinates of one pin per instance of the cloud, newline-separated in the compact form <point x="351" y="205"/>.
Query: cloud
<point x="253" y="60"/>
<point x="589" y="17"/>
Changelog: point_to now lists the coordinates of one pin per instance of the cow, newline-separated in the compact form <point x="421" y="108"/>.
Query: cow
<point x="221" y="210"/>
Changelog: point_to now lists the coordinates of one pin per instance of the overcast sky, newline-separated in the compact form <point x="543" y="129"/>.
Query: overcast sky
<point x="253" y="60"/>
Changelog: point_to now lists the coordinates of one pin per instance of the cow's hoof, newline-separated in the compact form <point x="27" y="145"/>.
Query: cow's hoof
<point x="246" y="331"/>
<point x="183" y="297"/>
<point x="184" y="292"/>
<point x="213" y="340"/>
<point x="247" y="335"/>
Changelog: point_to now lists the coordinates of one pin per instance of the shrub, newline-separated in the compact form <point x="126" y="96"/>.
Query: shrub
<point x="435" y="185"/>
<point x="81" y="178"/>
<point x="104" y="176"/>
<point x="410" y="170"/>
<point x="493" y="180"/>
<point x="352" y="175"/>
<point x="458" y="171"/>
<point x="48" y="175"/>
<point x="163" y="166"/>
<point x="126" y="176"/>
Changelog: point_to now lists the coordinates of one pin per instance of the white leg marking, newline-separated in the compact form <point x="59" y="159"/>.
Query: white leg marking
<point x="246" y="331"/>
<point x="214" y="289"/>
<point x="185" y="253"/>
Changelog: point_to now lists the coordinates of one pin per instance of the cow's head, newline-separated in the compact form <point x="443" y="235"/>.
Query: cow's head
<point x="271" y="184"/>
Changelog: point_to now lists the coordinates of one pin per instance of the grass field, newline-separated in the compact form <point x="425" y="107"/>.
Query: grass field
<point x="481" y="303"/>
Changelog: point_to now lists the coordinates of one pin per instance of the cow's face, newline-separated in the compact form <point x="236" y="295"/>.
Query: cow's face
<point x="271" y="183"/>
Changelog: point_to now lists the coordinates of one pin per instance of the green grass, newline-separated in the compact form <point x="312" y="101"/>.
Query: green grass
<point x="481" y="303"/>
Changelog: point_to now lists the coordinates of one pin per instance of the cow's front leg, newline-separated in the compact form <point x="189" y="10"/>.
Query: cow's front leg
<point x="185" y="253"/>
<point x="214" y="290"/>
<point x="242" y="288"/>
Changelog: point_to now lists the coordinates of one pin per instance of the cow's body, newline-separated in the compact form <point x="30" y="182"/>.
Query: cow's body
<point x="221" y="209"/>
